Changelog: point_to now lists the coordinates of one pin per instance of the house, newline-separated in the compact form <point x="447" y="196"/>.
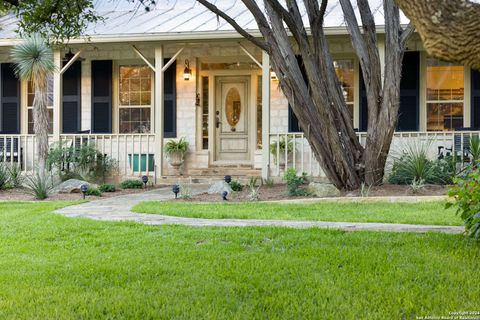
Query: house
<point x="179" y="71"/>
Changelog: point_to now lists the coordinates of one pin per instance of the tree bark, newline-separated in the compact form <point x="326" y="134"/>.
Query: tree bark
<point x="40" y="118"/>
<point x="450" y="29"/>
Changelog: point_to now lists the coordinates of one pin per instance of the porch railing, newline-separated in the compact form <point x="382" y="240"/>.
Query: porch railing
<point x="133" y="153"/>
<point x="300" y="156"/>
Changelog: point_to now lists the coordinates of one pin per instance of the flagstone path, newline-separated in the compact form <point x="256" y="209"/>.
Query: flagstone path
<point x="119" y="209"/>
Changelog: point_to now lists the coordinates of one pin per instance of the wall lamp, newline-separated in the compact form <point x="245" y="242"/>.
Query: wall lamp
<point x="187" y="72"/>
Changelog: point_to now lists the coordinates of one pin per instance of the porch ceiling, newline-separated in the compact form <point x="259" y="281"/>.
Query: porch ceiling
<point x="179" y="19"/>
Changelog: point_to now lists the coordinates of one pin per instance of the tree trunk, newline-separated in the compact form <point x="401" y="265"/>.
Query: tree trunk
<point x="40" y="118"/>
<point x="450" y="29"/>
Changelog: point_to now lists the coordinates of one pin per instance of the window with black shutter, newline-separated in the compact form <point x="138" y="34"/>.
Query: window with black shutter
<point x="102" y="96"/>
<point x="10" y="99"/>
<point x="71" y="98"/>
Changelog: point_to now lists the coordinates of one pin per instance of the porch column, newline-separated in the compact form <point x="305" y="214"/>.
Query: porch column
<point x="57" y="95"/>
<point x="265" y="115"/>
<point x="158" y="112"/>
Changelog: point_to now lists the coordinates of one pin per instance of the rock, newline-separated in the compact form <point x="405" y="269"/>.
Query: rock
<point x="323" y="190"/>
<point x="71" y="186"/>
<point x="219" y="188"/>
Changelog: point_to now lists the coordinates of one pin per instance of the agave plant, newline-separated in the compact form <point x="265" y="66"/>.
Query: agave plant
<point x="34" y="63"/>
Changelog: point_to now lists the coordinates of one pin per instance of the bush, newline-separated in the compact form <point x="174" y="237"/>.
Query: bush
<point x="294" y="181"/>
<point x="39" y="185"/>
<point x="15" y="176"/>
<point x="80" y="162"/>
<point x="185" y="191"/>
<point x="106" y="187"/>
<point x="93" y="192"/>
<point x="414" y="165"/>
<point x="131" y="184"/>
<point x="466" y="195"/>
<point x="173" y="146"/>
<point x="236" y="185"/>
<point x="3" y="176"/>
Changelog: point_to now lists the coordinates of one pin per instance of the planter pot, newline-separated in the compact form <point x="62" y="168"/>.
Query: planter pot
<point x="175" y="159"/>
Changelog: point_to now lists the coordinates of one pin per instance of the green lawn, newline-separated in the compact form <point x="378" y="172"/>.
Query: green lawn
<point x="65" y="268"/>
<point x="412" y="213"/>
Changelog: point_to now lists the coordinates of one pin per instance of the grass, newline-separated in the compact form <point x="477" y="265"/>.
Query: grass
<point x="57" y="267"/>
<point x="411" y="213"/>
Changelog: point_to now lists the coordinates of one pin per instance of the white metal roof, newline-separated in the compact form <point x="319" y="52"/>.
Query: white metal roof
<point x="181" y="19"/>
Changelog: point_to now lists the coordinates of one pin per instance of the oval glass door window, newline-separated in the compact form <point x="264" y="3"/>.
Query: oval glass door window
<point x="233" y="107"/>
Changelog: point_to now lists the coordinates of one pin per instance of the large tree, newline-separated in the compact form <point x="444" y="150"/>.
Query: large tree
<point x="450" y="29"/>
<point x="316" y="96"/>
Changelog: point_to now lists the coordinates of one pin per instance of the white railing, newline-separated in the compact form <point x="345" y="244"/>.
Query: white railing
<point x="133" y="153"/>
<point x="301" y="157"/>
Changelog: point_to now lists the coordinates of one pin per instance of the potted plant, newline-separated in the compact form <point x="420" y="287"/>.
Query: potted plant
<point x="277" y="148"/>
<point x="175" y="151"/>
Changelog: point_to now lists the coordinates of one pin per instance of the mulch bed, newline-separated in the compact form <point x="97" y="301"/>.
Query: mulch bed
<point x="278" y="192"/>
<point x="20" y="194"/>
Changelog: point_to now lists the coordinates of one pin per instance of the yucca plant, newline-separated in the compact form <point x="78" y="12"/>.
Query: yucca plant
<point x="39" y="185"/>
<point x="3" y="176"/>
<point x="33" y="60"/>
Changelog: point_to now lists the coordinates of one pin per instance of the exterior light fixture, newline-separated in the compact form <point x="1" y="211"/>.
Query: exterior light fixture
<point x="224" y="195"/>
<point x="187" y="72"/>
<point x="176" y="190"/>
<point x="227" y="179"/>
<point x="145" y="181"/>
<point x="273" y="76"/>
<point x="68" y="55"/>
<point x="84" y="189"/>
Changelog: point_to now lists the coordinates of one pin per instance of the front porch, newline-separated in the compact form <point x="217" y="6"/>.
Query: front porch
<point x="135" y="153"/>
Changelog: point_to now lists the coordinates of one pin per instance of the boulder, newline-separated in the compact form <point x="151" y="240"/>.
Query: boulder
<point x="323" y="190"/>
<point x="71" y="186"/>
<point x="219" y="188"/>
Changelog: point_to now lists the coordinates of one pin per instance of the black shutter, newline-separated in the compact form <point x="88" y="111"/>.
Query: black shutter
<point x="71" y="98"/>
<point x="475" y="99"/>
<point x="102" y="96"/>
<point x="10" y="99"/>
<point x="170" y="101"/>
<point x="363" y="112"/>
<point x="293" y="125"/>
<point x="408" y="113"/>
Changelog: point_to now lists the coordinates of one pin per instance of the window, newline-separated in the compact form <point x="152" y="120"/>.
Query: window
<point x="205" y="113"/>
<point x="135" y="99"/>
<point x="31" y="96"/>
<point x="445" y="89"/>
<point x="346" y="75"/>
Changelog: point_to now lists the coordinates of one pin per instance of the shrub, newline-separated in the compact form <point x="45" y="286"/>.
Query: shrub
<point x="254" y="193"/>
<point x="236" y="185"/>
<point x="269" y="183"/>
<point x="294" y="181"/>
<point x="3" y="176"/>
<point x="416" y="185"/>
<point x="414" y="164"/>
<point x="106" y="187"/>
<point x="80" y="162"/>
<point x="39" y="185"/>
<point x="466" y="197"/>
<point x="131" y="184"/>
<point x="15" y="176"/>
<point x="252" y="182"/>
<point x="93" y="192"/>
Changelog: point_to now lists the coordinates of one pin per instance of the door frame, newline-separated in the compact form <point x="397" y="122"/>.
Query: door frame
<point x="252" y="113"/>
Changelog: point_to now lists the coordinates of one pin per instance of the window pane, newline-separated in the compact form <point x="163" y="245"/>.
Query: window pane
<point x="204" y="113"/>
<point x="445" y="94"/>
<point x="134" y="120"/>
<point x="135" y="85"/>
<point x="346" y="75"/>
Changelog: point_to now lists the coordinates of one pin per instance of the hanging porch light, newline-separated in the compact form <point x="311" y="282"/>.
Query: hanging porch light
<point x="187" y="72"/>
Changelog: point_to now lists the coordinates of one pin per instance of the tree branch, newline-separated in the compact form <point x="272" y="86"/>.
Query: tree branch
<point x="259" y="43"/>
<point x="406" y="34"/>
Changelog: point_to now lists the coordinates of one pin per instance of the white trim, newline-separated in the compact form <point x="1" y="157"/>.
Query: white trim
<point x="71" y="61"/>
<point x="266" y="82"/>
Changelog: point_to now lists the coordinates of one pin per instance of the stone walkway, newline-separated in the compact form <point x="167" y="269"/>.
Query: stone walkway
<point x="118" y="209"/>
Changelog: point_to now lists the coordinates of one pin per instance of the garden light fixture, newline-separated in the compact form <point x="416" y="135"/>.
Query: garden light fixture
<point x="227" y="179"/>
<point x="176" y="190"/>
<point x="224" y="195"/>
<point x="84" y="189"/>
<point x="145" y="181"/>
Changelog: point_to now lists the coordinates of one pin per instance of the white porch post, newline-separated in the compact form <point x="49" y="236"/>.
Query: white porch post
<point x="57" y="95"/>
<point x="158" y="112"/>
<point x="265" y="115"/>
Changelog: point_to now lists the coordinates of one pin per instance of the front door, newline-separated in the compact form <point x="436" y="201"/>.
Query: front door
<point x="231" y="119"/>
